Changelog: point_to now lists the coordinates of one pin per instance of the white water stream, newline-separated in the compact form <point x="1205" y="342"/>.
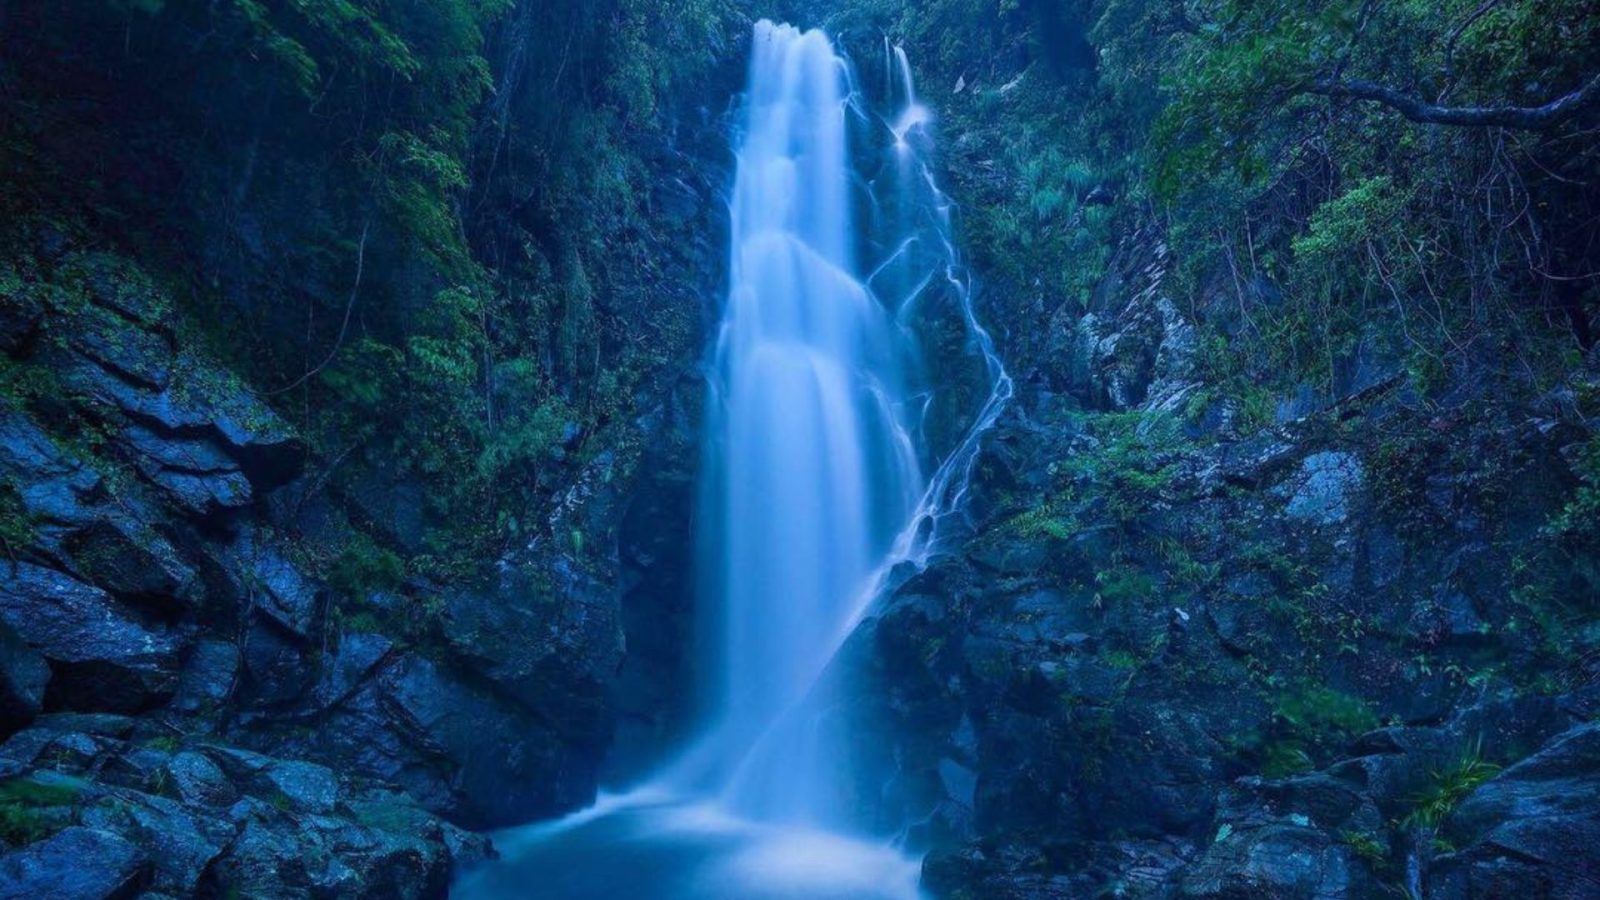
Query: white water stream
<point x="814" y="493"/>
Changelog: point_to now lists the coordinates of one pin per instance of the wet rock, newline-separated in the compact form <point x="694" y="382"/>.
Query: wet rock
<point x="194" y="473"/>
<point x="75" y="864"/>
<point x="103" y="657"/>
<point x="550" y="638"/>
<point x="208" y="677"/>
<point x="23" y="676"/>
<point x="307" y="787"/>
<point x="53" y="486"/>
<point x="181" y="395"/>
<point x="460" y="749"/>
<point x="1285" y="859"/>
<point x="20" y="316"/>
<point x="218" y="821"/>
<point x="199" y="781"/>
<point x="261" y="571"/>
<point x="275" y="667"/>
<point x="391" y="507"/>
<point x="1532" y="830"/>
<point x="109" y="540"/>
<point x="292" y="784"/>
<point x="1326" y="489"/>
<point x="180" y="843"/>
<point x="319" y="856"/>
<point x="349" y="668"/>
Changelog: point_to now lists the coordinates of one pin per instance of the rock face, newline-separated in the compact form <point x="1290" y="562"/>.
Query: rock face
<point x="1191" y="653"/>
<point x="186" y="701"/>
<point x="1531" y="830"/>
<point x="203" y="818"/>
<point x="76" y="863"/>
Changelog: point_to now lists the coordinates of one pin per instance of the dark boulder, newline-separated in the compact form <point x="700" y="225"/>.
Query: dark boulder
<point x="23" y="676"/>
<point x="210" y="820"/>
<point x="208" y="678"/>
<point x="103" y="657"/>
<point x="460" y="747"/>
<point x="75" y="864"/>
<point x="549" y="636"/>
<point x="193" y="473"/>
<point x="1532" y="831"/>
<point x="198" y="780"/>
<point x="107" y="539"/>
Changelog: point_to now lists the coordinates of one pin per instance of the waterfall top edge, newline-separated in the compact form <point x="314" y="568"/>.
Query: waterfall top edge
<point x="770" y="30"/>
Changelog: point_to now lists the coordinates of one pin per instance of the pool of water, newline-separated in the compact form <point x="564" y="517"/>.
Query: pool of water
<point x="655" y="848"/>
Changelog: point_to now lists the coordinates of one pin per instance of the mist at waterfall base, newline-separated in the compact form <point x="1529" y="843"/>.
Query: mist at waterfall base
<point x="814" y="496"/>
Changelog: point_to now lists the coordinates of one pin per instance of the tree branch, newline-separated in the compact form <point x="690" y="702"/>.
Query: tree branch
<point x="1528" y="118"/>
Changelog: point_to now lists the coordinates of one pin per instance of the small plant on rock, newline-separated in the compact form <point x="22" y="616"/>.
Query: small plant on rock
<point x="1451" y="786"/>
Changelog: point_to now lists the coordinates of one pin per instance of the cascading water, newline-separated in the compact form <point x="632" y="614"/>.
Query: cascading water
<point x="812" y="467"/>
<point x="813" y="495"/>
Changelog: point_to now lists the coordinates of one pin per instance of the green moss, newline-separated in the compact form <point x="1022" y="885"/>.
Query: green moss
<point x="1367" y="847"/>
<point x="1577" y="525"/>
<point x="1045" y="520"/>
<point x="1281" y="759"/>
<point x="16" y="525"/>
<point x="31" y="807"/>
<point x="1121" y="659"/>
<point x="1322" y="711"/>
<point x="1120" y="585"/>
<point x="365" y="566"/>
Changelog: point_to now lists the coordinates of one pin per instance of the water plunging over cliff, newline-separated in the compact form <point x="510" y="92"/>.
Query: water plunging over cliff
<point x="813" y="493"/>
<point x="811" y="469"/>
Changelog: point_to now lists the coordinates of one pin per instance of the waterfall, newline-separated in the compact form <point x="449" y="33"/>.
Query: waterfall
<point x="819" y="489"/>
<point x="811" y="466"/>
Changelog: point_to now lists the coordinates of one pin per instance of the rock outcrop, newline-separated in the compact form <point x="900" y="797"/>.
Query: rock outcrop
<point x="1190" y="653"/>
<point x="185" y="702"/>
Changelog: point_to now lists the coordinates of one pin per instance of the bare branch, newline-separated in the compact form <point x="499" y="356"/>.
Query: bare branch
<point x="1529" y="118"/>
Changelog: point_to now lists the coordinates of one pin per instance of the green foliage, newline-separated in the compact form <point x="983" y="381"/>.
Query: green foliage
<point x="1577" y="525"/>
<point x="364" y="566"/>
<point x="1122" y="584"/>
<point x="1449" y="787"/>
<point x="1044" y="520"/>
<point x="30" y="807"/>
<point x="1322" y="712"/>
<point x="16" y="526"/>
<point x="1285" y="758"/>
<point x="1367" y="847"/>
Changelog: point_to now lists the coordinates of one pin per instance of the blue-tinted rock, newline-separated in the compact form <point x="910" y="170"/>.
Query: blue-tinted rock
<point x="20" y="315"/>
<point x="1326" y="490"/>
<point x="198" y="780"/>
<point x="23" y="676"/>
<point x="110" y="540"/>
<point x="52" y="484"/>
<point x="1532" y="831"/>
<point x="550" y="638"/>
<point x="348" y="668"/>
<point x="192" y="472"/>
<point x="181" y="842"/>
<point x="103" y="657"/>
<point x="263" y="577"/>
<point x="307" y="787"/>
<point x="208" y="677"/>
<point x="75" y="864"/>
<point x="275" y="666"/>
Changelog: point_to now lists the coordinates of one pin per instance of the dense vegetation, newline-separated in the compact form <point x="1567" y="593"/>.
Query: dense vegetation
<point x="1339" y="189"/>
<point x="1248" y="131"/>
<point x="417" y="227"/>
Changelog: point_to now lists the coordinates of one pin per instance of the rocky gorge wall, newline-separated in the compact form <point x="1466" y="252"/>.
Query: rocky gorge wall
<point x="1184" y="658"/>
<point x="240" y="652"/>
